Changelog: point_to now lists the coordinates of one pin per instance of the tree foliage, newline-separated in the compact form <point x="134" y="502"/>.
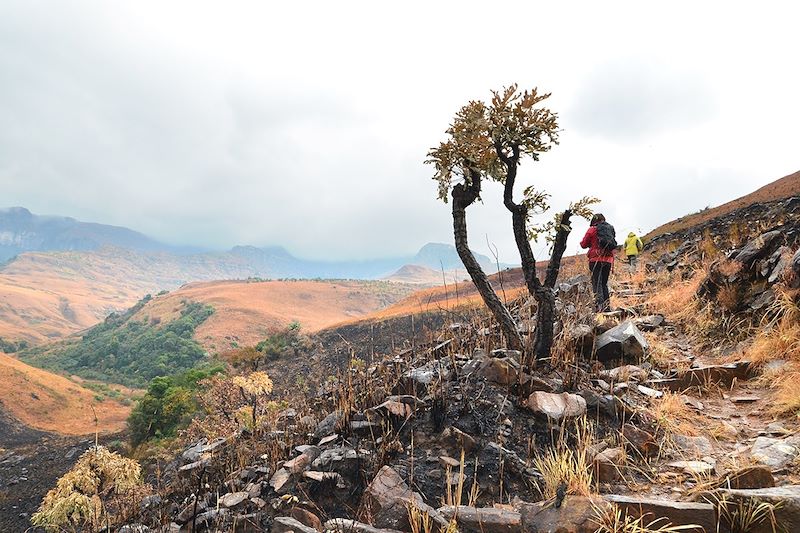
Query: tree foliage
<point x="487" y="142"/>
<point x="130" y="351"/>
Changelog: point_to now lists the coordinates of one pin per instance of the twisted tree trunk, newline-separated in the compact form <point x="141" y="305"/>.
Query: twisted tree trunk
<point x="543" y="293"/>
<point x="463" y="196"/>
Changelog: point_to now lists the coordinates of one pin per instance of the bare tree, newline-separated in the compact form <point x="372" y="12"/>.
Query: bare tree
<point x="489" y="142"/>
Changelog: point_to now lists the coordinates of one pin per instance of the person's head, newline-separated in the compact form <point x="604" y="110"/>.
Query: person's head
<point x="596" y="219"/>
<point x="631" y="234"/>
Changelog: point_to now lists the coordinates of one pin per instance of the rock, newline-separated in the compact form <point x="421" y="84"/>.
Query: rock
<point x="307" y="518"/>
<point x="650" y="393"/>
<point x="580" y="338"/>
<point x="786" y="500"/>
<point x="202" y="449"/>
<point x="456" y="440"/>
<point x="233" y="499"/>
<point x="642" y="441"/>
<point x="576" y="514"/>
<point x="401" y="406"/>
<point x="649" y="322"/>
<point x="480" y="520"/>
<point x="446" y="461"/>
<point x="573" y="286"/>
<point x="794" y="282"/>
<point x="621" y="343"/>
<point x="752" y="477"/>
<point x="417" y="380"/>
<point x="693" y="468"/>
<point x="280" y="481"/>
<point x="345" y="525"/>
<point x="692" y="447"/>
<point x="557" y="407"/>
<point x="328" y="425"/>
<point x="504" y="353"/>
<point x="303" y="461"/>
<point x="287" y="524"/>
<point x="677" y="513"/>
<point x="529" y="384"/>
<point x="775" y="453"/>
<point x="776" y="429"/>
<point x="756" y="248"/>
<point x="388" y="497"/>
<point x="723" y="375"/>
<point x="607" y="464"/>
<point x="625" y="373"/>
<point x="503" y="371"/>
<point x="343" y="460"/>
<point x="133" y="528"/>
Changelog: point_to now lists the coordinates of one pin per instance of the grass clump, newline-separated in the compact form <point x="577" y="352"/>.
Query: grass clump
<point x="615" y="520"/>
<point x="96" y="492"/>
<point x="565" y="467"/>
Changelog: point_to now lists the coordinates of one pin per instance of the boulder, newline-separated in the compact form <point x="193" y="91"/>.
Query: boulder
<point x="677" y="513"/>
<point x="621" y="343"/>
<point x="479" y="520"/>
<point x="557" y="407"/>
<point x="576" y="514"/>
<point x="388" y="497"/>
<point x="775" y="453"/>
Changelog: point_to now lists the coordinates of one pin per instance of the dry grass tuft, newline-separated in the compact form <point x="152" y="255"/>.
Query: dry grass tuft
<point x="615" y="520"/>
<point x="567" y="465"/>
<point x="674" y="417"/>
<point x="673" y="297"/>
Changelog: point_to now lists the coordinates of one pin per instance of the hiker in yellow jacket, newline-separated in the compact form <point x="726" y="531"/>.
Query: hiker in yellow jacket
<point x="633" y="245"/>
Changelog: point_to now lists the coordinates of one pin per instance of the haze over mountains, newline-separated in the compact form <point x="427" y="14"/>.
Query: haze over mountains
<point x="22" y="231"/>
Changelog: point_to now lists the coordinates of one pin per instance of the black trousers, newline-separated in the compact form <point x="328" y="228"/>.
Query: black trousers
<point x="600" y="270"/>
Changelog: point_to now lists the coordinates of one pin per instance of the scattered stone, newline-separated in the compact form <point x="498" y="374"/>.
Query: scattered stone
<point x="388" y="498"/>
<point x="625" y="373"/>
<point x="446" y="461"/>
<point x="723" y="375"/>
<point x="202" y="448"/>
<point x="693" y="468"/>
<point x="642" y="441"/>
<point x="328" y="425"/>
<point x="233" y="499"/>
<point x="650" y="393"/>
<point x="607" y="464"/>
<point x="344" y="525"/>
<point x="303" y="461"/>
<point x="744" y="399"/>
<point x="280" y="481"/>
<point x="775" y="453"/>
<point x="776" y="429"/>
<point x="581" y="339"/>
<point x="692" y="447"/>
<point x="457" y="440"/>
<point x="557" y="406"/>
<point x="576" y="514"/>
<point x="503" y="371"/>
<point x="752" y="477"/>
<point x="417" y="380"/>
<point x="287" y="524"/>
<point x="479" y="520"/>
<point x="677" y="513"/>
<point x="307" y="518"/>
<point x="649" y="322"/>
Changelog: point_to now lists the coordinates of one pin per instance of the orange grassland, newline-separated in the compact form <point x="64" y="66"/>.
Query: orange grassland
<point x="49" y="402"/>
<point x="245" y="312"/>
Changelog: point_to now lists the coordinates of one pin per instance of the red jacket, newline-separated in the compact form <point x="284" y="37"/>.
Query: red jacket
<point x="595" y="254"/>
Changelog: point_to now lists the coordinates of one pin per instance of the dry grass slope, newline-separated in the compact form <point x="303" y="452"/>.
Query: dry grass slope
<point x="49" y="402"/>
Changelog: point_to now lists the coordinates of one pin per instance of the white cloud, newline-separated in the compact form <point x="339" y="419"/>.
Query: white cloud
<point x="306" y="124"/>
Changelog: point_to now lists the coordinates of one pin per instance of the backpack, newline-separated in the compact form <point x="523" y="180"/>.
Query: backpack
<point x="606" y="238"/>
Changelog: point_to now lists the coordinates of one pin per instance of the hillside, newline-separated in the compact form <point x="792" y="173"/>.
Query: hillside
<point x="784" y="187"/>
<point x="50" y="402"/>
<point x="49" y="295"/>
<point x="247" y="311"/>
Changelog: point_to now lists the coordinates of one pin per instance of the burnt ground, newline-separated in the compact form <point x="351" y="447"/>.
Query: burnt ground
<point x="30" y="463"/>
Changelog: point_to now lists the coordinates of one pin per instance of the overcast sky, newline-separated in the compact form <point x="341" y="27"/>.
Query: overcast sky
<point x="305" y="124"/>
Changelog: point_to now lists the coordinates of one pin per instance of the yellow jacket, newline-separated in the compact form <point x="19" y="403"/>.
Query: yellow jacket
<point x="633" y="244"/>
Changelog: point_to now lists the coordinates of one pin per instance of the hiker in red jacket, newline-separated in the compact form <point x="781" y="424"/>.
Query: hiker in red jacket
<point x="600" y="239"/>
